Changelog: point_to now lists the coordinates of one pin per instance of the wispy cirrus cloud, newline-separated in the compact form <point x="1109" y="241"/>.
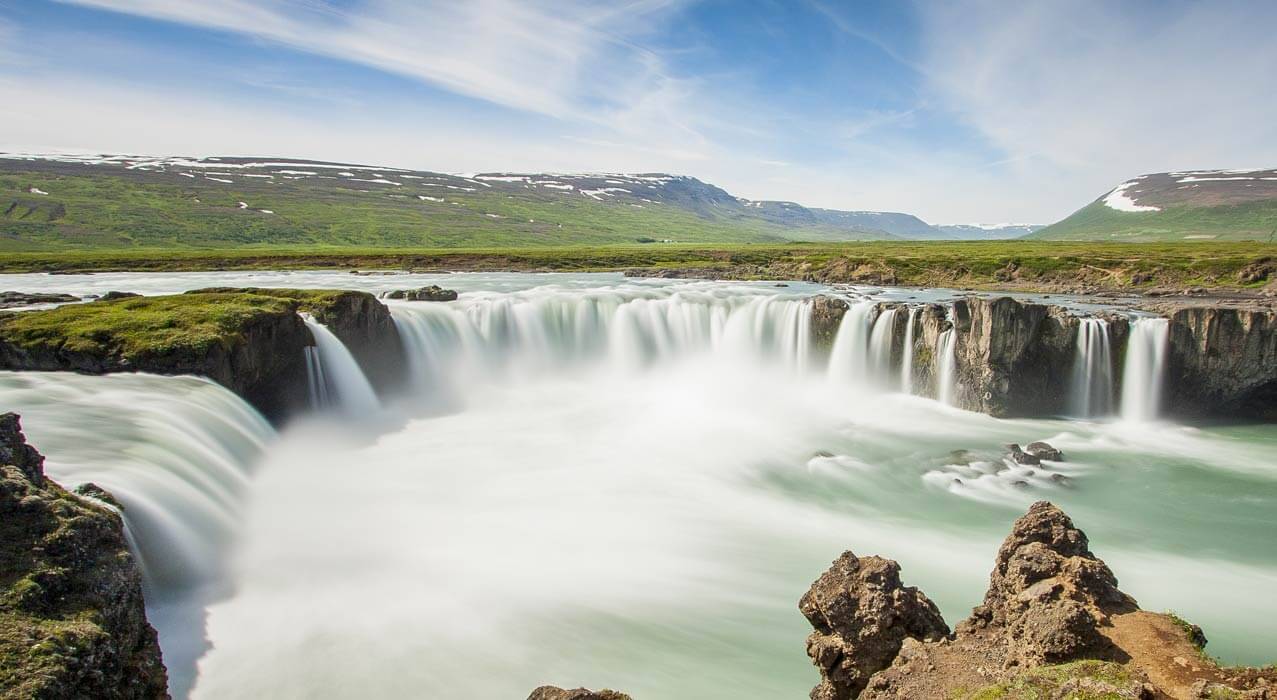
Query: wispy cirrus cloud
<point x="565" y="58"/>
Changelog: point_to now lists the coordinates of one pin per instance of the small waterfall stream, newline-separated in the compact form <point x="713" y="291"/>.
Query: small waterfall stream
<point x="335" y="378"/>
<point x="946" y="370"/>
<point x="1091" y="388"/>
<point x="906" y="360"/>
<point x="1144" y="369"/>
<point x="881" y="341"/>
<point x="849" y="358"/>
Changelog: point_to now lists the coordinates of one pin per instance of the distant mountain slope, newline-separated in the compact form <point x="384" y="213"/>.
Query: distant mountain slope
<point x="979" y="232"/>
<point x="1186" y="205"/>
<point x="53" y="202"/>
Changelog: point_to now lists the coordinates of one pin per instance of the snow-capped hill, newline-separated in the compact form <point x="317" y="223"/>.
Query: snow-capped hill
<point x="973" y="232"/>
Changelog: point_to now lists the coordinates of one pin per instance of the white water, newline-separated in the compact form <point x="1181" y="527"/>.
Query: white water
<point x="1091" y="388"/>
<point x="336" y="379"/>
<point x="849" y="357"/>
<point x="631" y="486"/>
<point x="906" y="361"/>
<point x="1142" y="373"/>
<point x="880" y="345"/>
<point x="946" y="358"/>
<point x="177" y="453"/>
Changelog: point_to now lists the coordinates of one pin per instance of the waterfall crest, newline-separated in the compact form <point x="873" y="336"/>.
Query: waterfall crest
<point x="335" y="378"/>
<point x="1144" y="369"/>
<point x="1091" y="388"/>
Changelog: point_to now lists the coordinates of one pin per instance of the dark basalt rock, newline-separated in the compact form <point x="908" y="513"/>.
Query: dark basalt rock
<point x="72" y="620"/>
<point x="1222" y="361"/>
<point x="113" y="295"/>
<point x="431" y="293"/>
<point x="1043" y="450"/>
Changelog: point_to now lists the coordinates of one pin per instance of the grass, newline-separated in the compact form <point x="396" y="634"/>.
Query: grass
<point x="1024" y="264"/>
<point x="1093" y="680"/>
<point x="138" y="327"/>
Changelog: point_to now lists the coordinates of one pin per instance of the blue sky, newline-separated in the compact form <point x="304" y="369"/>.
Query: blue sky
<point x="964" y="111"/>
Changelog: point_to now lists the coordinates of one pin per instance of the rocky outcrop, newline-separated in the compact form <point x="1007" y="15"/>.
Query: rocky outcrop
<point x="261" y="358"/>
<point x="1053" y="622"/>
<point x="365" y="327"/>
<point x="826" y="315"/>
<point x="861" y="614"/>
<point x="549" y="692"/>
<point x="1222" y="361"/>
<point x="1013" y="358"/>
<point x="72" y="621"/>
<point x="431" y="293"/>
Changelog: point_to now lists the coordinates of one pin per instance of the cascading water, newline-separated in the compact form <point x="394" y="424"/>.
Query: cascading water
<point x="176" y="452"/>
<point x="906" y="359"/>
<point x="946" y="370"/>
<point x="881" y="341"/>
<point x="1142" y="373"/>
<point x="849" y="357"/>
<point x="485" y="336"/>
<point x="335" y="378"/>
<point x="1091" y="389"/>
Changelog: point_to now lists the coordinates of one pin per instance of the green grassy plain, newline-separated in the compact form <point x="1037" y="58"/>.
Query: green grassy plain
<point x="1014" y="263"/>
<point x="1097" y="222"/>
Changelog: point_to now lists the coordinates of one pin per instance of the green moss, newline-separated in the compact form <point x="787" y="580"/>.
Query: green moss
<point x="134" y="327"/>
<point x="1041" y="683"/>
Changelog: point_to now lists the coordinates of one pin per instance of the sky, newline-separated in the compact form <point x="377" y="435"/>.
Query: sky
<point x="966" y="111"/>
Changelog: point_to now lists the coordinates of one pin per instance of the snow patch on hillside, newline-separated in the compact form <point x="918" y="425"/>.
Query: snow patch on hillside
<point x="1120" y="201"/>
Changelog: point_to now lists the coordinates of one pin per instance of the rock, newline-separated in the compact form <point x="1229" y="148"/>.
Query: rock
<point x="91" y="490"/>
<point x="549" y="692"/>
<point x="1043" y="450"/>
<point x="72" y="619"/>
<point x="1019" y="456"/>
<point x="826" y="315"/>
<point x="431" y="293"/>
<point x="112" y="296"/>
<point x="13" y="300"/>
<point x="862" y="614"/>
<point x="1048" y="593"/>
<point x="1222" y="361"/>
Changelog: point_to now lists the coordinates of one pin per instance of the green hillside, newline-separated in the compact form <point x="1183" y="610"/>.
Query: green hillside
<point x="1189" y="206"/>
<point x="51" y="205"/>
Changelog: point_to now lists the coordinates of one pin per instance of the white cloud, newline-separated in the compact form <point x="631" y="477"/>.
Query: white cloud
<point x="563" y="58"/>
<point x="1100" y="91"/>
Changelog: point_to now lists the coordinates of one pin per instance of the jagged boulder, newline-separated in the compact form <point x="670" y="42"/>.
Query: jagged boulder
<point x="861" y="614"/>
<point x="72" y="620"/>
<point x="549" y="692"/>
<point x="1048" y="594"/>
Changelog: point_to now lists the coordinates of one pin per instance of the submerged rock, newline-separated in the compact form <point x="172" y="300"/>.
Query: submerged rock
<point x="549" y="692"/>
<point x="72" y="620"/>
<point x="1043" y="450"/>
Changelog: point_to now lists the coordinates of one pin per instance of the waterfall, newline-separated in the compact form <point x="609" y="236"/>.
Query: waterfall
<point x="482" y="337"/>
<point x="175" y="451"/>
<point x="1142" y="373"/>
<point x="1091" y="389"/>
<point x="946" y="372"/>
<point x="335" y="377"/>
<point x="906" y="360"/>
<point x="849" y="358"/>
<point x="880" y="342"/>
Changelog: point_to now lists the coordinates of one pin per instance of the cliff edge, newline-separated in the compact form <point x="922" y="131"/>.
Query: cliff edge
<point x="72" y="621"/>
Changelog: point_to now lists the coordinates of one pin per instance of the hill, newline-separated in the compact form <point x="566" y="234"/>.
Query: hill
<point x="115" y="201"/>
<point x="1186" y="205"/>
<point x="988" y="232"/>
